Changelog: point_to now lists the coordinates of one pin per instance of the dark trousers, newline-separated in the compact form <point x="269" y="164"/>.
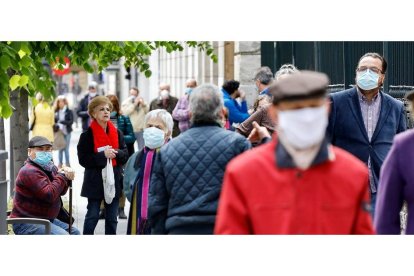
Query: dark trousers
<point x="92" y="217"/>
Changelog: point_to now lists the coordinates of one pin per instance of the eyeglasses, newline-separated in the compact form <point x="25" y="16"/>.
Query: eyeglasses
<point x="373" y="69"/>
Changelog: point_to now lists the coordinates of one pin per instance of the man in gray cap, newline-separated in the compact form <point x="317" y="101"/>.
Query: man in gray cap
<point x="39" y="185"/>
<point x="298" y="183"/>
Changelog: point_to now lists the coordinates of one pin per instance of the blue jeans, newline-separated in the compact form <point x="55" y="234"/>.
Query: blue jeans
<point x="65" y="150"/>
<point x="57" y="227"/>
<point x="92" y="217"/>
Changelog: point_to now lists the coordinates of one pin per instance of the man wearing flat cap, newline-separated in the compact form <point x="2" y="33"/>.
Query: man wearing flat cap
<point x="298" y="183"/>
<point x="39" y="186"/>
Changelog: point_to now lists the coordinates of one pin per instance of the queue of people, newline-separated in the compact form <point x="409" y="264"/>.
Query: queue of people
<point x="302" y="161"/>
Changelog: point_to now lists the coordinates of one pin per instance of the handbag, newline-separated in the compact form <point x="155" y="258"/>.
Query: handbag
<point x="108" y="180"/>
<point x="59" y="140"/>
<point x="64" y="214"/>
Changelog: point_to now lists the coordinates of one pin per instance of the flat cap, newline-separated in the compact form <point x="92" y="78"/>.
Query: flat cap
<point x="38" y="141"/>
<point x="299" y="86"/>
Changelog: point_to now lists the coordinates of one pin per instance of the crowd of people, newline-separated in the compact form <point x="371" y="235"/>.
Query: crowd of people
<point x="300" y="161"/>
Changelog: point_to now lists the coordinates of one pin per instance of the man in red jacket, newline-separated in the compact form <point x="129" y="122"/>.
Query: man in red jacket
<point x="298" y="183"/>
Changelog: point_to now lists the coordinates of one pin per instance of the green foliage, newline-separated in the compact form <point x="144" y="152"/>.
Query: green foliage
<point x="22" y="63"/>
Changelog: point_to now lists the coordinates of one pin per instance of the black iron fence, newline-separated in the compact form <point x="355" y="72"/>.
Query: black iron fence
<point x="339" y="59"/>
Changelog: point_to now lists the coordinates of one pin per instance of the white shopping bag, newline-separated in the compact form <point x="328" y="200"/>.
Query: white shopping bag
<point x="108" y="181"/>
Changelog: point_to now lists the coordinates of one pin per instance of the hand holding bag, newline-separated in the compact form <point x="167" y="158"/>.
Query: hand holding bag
<point x="108" y="180"/>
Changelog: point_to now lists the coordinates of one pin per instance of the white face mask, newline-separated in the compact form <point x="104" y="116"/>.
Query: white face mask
<point x="164" y="94"/>
<point x="92" y="94"/>
<point x="305" y="127"/>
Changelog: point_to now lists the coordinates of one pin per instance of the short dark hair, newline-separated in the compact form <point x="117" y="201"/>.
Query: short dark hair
<point x="135" y="88"/>
<point x="231" y="86"/>
<point x="378" y="56"/>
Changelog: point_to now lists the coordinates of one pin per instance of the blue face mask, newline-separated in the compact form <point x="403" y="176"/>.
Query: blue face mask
<point x="43" y="157"/>
<point x="153" y="137"/>
<point x="367" y="80"/>
<point x="188" y="90"/>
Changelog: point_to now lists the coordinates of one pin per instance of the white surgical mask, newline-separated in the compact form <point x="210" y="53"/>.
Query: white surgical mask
<point x="153" y="137"/>
<point x="164" y="94"/>
<point x="92" y="94"/>
<point x="305" y="127"/>
<point x="367" y="80"/>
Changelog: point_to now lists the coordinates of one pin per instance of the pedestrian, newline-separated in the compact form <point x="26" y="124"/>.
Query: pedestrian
<point x="100" y="142"/>
<point x="38" y="188"/>
<point x="364" y="120"/>
<point x="123" y="124"/>
<point x="188" y="173"/>
<point x="181" y="112"/>
<point x="168" y="102"/>
<point x="263" y="79"/>
<point x="297" y="183"/>
<point x="135" y="108"/>
<point x="138" y="170"/>
<point x="42" y="119"/>
<point x="395" y="183"/>
<point x="82" y="111"/>
<point x="261" y="115"/>
<point x="63" y="121"/>
<point x="237" y="112"/>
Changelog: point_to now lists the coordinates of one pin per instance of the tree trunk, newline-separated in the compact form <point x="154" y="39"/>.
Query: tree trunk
<point x="3" y="183"/>
<point x="19" y="132"/>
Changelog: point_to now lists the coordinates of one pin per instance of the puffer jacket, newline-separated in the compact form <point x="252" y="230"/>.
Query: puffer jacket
<point x="187" y="179"/>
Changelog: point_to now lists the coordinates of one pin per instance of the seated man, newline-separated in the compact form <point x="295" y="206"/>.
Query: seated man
<point x="39" y="186"/>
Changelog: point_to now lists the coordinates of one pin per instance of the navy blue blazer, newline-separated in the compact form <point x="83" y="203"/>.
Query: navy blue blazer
<point x="347" y="130"/>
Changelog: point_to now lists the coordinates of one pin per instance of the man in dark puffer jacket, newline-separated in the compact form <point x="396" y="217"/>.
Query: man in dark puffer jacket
<point x="188" y="173"/>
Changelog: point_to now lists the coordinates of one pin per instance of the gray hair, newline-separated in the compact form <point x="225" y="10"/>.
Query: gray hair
<point x="206" y="103"/>
<point x="163" y="116"/>
<point x="264" y="75"/>
<point x="286" y="69"/>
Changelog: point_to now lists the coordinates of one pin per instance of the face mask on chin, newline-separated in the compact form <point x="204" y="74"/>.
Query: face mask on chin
<point x="303" y="128"/>
<point x="367" y="80"/>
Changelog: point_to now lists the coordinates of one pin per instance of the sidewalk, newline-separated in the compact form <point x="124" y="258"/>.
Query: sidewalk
<point x="79" y="203"/>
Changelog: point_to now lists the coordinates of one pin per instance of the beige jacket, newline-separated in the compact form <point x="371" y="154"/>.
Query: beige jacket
<point x="136" y="113"/>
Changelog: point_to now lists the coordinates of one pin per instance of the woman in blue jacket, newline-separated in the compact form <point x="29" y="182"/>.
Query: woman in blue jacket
<point x="237" y="112"/>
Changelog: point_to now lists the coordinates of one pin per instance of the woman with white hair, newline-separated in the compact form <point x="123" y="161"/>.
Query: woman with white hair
<point x="158" y="126"/>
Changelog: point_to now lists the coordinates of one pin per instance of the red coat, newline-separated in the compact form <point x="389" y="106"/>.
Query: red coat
<point x="260" y="198"/>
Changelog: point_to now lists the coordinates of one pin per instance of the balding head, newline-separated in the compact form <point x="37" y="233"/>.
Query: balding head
<point x="165" y="86"/>
<point x="191" y="83"/>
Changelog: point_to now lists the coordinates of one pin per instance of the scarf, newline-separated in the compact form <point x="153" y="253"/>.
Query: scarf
<point x="139" y="207"/>
<point x="102" y="139"/>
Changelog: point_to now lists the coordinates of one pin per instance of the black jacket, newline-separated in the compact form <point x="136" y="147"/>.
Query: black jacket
<point x="68" y="119"/>
<point x="94" y="162"/>
<point x="83" y="112"/>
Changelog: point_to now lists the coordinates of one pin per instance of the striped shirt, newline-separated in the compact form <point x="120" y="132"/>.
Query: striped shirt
<point x="370" y="113"/>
